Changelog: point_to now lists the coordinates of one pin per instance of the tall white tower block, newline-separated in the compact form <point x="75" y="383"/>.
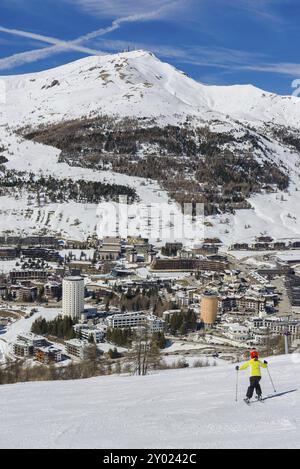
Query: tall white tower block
<point x="73" y="296"/>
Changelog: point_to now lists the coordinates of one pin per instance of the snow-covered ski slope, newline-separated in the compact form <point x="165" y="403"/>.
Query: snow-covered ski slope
<point x="174" y="409"/>
<point x="138" y="84"/>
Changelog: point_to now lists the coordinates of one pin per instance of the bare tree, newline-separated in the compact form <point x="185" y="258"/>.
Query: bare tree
<point x="145" y="353"/>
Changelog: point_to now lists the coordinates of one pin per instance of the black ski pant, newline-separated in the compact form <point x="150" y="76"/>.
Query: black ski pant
<point x="254" y="384"/>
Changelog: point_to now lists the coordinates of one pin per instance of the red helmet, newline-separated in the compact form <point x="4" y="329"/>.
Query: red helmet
<point x="254" y="354"/>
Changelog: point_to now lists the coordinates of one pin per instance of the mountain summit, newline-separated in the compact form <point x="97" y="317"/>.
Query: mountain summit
<point x="137" y="84"/>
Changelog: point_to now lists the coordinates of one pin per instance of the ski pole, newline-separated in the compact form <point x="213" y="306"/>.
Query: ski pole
<point x="271" y="379"/>
<point x="237" y="385"/>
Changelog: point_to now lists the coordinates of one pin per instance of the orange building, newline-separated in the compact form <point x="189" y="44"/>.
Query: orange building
<point x="209" y="309"/>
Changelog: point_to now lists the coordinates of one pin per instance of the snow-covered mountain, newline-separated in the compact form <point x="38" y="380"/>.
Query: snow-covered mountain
<point x="136" y="84"/>
<point x="154" y="94"/>
<point x="174" y="409"/>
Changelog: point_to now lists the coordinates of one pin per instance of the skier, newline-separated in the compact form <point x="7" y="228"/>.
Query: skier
<point x="255" y="375"/>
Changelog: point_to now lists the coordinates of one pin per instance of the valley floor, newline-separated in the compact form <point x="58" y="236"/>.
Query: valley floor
<point x="173" y="409"/>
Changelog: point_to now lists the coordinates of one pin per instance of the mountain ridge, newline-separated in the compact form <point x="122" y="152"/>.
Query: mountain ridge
<point x="142" y="86"/>
<point x="231" y="148"/>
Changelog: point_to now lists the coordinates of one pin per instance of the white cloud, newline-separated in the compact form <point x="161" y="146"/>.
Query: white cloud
<point x="142" y="10"/>
<point x="16" y="60"/>
<point x="34" y="55"/>
<point x="59" y="46"/>
<point x="214" y="57"/>
<point x="197" y="55"/>
<point x="73" y="45"/>
<point x="281" y="68"/>
<point x="265" y="10"/>
<point x="121" y="8"/>
<point x="155" y="9"/>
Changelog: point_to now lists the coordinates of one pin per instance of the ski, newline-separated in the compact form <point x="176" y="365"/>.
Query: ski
<point x="262" y="401"/>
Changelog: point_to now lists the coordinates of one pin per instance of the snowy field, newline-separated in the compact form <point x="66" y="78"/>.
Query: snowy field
<point x="173" y="409"/>
<point x="7" y="266"/>
<point x="251" y="256"/>
<point x="181" y="346"/>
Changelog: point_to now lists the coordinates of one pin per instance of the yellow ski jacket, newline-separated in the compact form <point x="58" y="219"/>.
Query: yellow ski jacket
<point x="255" y="366"/>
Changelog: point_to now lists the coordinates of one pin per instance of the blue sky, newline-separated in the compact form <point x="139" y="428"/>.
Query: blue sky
<point x="214" y="41"/>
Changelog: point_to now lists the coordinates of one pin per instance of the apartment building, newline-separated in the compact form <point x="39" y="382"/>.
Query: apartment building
<point x="53" y="290"/>
<point x="22" y="349"/>
<point x="110" y="249"/>
<point x="24" y="275"/>
<point x="86" y="332"/>
<point x="77" y="348"/>
<point x="47" y="355"/>
<point x="31" y="339"/>
<point x="126" y="320"/>
<point x="188" y="265"/>
<point x="73" y="296"/>
<point x="137" y="319"/>
<point x="26" y="294"/>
